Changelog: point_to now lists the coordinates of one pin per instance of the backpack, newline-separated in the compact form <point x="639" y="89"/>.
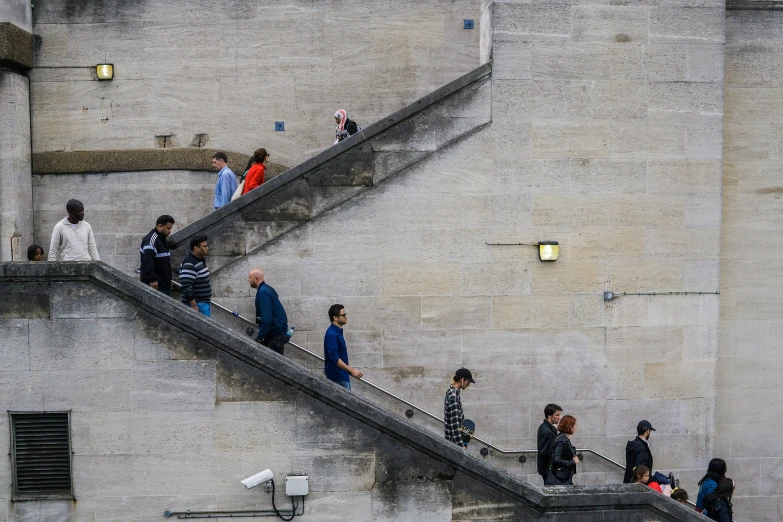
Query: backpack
<point x="712" y="505"/>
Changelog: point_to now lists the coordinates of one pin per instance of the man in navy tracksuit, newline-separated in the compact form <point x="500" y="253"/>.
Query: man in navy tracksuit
<point x="270" y="314"/>
<point x="155" y="256"/>
<point x="336" y="351"/>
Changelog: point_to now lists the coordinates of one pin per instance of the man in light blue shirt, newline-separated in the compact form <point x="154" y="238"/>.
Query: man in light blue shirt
<point x="227" y="180"/>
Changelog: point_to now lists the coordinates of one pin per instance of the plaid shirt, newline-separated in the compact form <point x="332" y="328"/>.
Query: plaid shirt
<point x="452" y="415"/>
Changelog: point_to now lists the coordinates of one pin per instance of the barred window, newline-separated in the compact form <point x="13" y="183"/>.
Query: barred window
<point x="41" y="455"/>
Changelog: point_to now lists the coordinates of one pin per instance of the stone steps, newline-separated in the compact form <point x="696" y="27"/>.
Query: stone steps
<point x="91" y="294"/>
<point x="379" y="151"/>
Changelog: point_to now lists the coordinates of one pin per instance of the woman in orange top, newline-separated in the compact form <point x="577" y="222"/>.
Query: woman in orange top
<point x="255" y="176"/>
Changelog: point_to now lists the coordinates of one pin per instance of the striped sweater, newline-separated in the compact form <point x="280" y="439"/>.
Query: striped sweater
<point x="194" y="278"/>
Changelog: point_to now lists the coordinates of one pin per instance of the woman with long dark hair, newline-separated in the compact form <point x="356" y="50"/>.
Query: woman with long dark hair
<point x="716" y="474"/>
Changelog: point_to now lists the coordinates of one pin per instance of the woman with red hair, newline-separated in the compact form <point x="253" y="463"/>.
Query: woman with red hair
<point x="564" y="460"/>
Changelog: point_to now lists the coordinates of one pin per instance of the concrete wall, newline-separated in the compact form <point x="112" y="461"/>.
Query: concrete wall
<point x="231" y="69"/>
<point x="751" y="306"/>
<point x="121" y="207"/>
<point x="606" y="136"/>
<point x="162" y="419"/>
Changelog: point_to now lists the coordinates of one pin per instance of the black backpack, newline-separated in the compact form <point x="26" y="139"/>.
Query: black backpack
<point x="712" y="504"/>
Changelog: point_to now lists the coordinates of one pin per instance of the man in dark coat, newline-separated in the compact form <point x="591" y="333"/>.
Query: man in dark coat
<point x="270" y="315"/>
<point x="547" y="433"/>
<point x="637" y="451"/>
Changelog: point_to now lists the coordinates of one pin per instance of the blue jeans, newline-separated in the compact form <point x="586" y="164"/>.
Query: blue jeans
<point x="345" y="384"/>
<point x="202" y="307"/>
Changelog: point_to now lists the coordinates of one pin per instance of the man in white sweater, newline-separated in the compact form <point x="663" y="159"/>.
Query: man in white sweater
<point x="72" y="238"/>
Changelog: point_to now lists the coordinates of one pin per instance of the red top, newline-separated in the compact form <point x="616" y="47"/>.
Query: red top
<point x="655" y="486"/>
<point x="254" y="178"/>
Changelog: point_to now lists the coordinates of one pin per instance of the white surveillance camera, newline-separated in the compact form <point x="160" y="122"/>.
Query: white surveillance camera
<point x="258" y="478"/>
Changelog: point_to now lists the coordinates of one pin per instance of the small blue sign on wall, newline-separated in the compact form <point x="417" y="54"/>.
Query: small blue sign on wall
<point x="467" y="24"/>
<point x="279" y="126"/>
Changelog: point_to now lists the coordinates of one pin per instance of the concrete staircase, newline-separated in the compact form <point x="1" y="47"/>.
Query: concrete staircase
<point x="379" y="151"/>
<point x="89" y="295"/>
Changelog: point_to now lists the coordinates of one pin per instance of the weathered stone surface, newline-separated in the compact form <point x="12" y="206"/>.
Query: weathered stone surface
<point x="161" y="419"/>
<point x="16" y="202"/>
<point x="16" y="45"/>
<point x="139" y="160"/>
<point x="173" y="386"/>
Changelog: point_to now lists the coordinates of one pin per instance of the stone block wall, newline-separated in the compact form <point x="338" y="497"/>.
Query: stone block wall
<point x="170" y="414"/>
<point x="328" y="180"/>
<point x="606" y="136"/>
<point x="121" y="207"/>
<point x="750" y="312"/>
<point x="231" y="69"/>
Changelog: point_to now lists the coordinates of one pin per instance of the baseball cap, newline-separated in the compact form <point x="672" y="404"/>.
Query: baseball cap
<point x="645" y="425"/>
<point x="464" y="373"/>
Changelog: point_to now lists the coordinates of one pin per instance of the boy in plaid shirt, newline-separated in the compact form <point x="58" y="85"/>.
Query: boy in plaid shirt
<point x="452" y="405"/>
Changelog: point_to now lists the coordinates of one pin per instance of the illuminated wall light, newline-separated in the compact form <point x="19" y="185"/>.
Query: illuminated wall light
<point x="548" y="250"/>
<point x="105" y="71"/>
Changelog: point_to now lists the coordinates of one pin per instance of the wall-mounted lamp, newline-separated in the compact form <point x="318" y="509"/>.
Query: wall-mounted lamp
<point x="105" y="71"/>
<point x="548" y="250"/>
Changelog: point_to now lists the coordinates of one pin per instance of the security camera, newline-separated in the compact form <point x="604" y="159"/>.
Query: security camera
<point x="258" y="478"/>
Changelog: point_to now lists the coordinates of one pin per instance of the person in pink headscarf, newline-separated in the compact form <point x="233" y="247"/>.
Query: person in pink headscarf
<point x="345" y="127"/>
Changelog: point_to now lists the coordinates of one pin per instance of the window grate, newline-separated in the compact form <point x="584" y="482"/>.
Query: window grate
<point x="41" y="455"/>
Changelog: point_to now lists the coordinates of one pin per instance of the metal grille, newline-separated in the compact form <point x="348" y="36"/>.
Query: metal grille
<point x="41" y="455"/>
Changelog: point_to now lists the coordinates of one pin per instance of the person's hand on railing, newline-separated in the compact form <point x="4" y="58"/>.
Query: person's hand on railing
<point x="356" y="373"/>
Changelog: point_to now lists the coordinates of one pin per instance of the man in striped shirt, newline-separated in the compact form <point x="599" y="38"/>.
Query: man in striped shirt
<point x="452" y="406"/>
<point x="155" y="256"/>
<point x="194" y="277"/>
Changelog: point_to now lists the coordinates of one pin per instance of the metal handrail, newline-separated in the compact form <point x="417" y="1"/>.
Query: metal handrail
<point x="413" y="406"/>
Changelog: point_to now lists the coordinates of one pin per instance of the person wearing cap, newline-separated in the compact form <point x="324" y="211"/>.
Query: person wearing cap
<point x="637" y="451"/>
<point x="452" y="405"/>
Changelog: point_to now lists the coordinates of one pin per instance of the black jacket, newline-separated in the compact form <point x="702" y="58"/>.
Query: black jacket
<point x="563" y="465"/>
<point x="546" y="437"/>
<point x="350" y="126"/>
<point x="637" y="453"/>
<point x="155" y="260"/>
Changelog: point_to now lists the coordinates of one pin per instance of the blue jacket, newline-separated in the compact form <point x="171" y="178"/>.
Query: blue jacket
<point x="335" y="348"/>
<point x="707" y="487"/>
<point x="270" y="314"/>
<point x="225" y="187"/>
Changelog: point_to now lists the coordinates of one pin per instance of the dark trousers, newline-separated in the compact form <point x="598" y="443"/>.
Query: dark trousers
<point x="166" y="291"/>
<point x="275" y="342"/>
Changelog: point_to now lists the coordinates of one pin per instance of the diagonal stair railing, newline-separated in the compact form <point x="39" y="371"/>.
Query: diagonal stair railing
<point x="413" y="407"/>
<point x="409" y="413"/>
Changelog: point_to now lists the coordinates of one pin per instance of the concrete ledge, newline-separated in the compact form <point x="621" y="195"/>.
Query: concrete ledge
<point x="754" y="5"/>
<point x="318" y="161"/>
<point x="135" y="160"/>
<point x="544" y="500"/>
<point x="16" y="46"/>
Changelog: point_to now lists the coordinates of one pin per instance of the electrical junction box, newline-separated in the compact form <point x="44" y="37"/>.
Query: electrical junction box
<point x="296" y="485"/>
